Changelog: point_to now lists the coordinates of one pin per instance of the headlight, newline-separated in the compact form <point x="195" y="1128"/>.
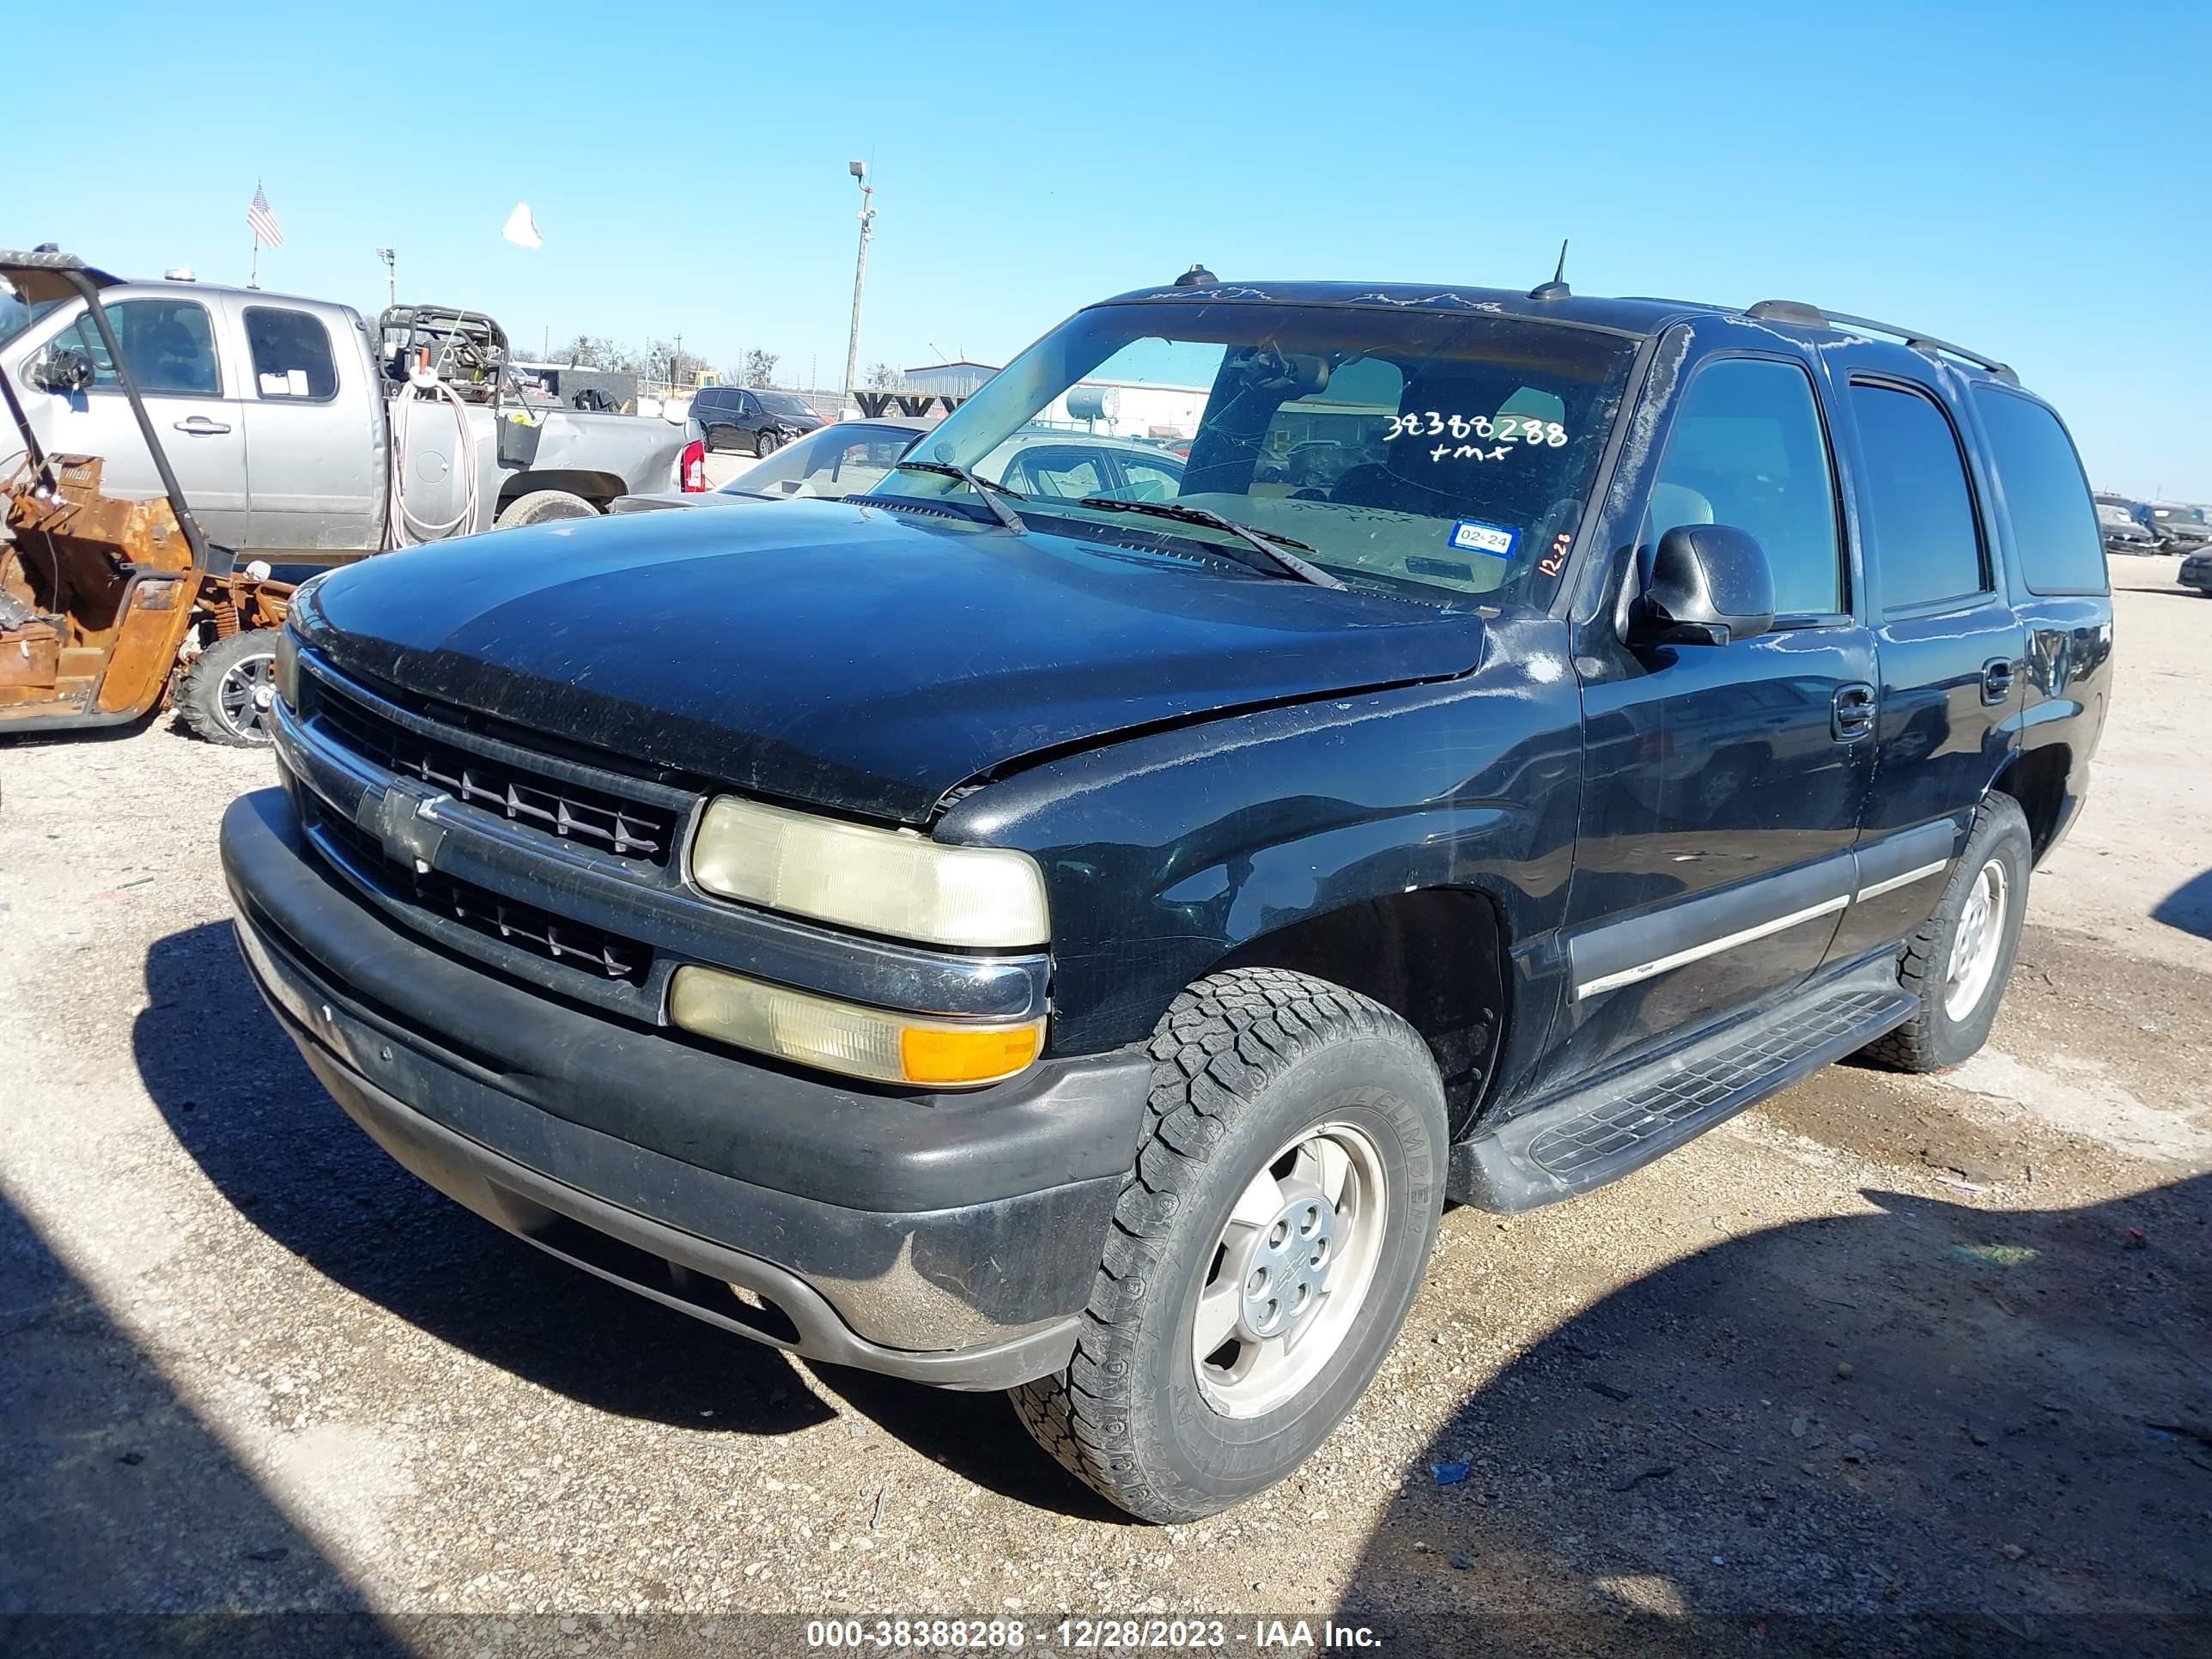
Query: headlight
<point x="882" y="881"/>
<point x="287" y="667"/>
<point x="843" y="1036"/>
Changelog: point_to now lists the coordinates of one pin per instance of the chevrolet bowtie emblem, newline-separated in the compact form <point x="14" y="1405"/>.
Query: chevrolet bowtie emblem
<point x="407" y="824"/>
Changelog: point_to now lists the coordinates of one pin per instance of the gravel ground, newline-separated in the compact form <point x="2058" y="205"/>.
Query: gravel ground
<point x="1885" y="1346"/>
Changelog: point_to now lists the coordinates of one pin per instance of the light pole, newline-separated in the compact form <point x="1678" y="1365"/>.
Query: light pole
<point x="391" y="276"/>
<point x="860" y="172"/>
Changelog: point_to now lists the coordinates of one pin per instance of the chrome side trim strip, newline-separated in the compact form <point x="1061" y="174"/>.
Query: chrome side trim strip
<point x="1905" y="881"/>
<point x="1710" y="947"/>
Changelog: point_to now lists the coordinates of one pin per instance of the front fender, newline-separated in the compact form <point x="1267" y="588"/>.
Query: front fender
<point x="1165" y="852"/>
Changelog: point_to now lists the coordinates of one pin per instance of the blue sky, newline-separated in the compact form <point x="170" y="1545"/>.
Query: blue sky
<point x="2032" y="181"/>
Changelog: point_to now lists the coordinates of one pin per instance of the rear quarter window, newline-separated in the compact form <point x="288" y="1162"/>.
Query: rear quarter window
<point x="2042" y="493"/>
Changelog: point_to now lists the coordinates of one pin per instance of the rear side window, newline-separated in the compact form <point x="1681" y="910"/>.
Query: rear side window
<point x="291" y="354"/>
<point x="1918" y="509"/>
<point x="1747" y="450"/>
<point x="2044" y="495"/>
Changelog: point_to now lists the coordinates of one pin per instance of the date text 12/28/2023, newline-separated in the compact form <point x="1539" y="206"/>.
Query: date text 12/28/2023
<point x="1107" y="1635"/>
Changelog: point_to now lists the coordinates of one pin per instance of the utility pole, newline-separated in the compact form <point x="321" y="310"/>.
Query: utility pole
<point x="391" y="276"/>
<point x="860" y="172"/>
<point x="676" y="366"/>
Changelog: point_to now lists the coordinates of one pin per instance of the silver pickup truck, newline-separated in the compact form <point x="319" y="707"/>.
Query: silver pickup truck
<point x="298" y="438"/>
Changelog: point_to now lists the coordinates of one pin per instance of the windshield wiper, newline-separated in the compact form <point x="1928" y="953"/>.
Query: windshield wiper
<point x="990" y="492"/>
<point x="1280" y="560"/>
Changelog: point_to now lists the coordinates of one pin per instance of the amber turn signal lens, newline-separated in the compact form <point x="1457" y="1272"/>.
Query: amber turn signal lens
<point x="935" y="1055"/>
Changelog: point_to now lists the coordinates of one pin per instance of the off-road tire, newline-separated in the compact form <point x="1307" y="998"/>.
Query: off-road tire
<point x="1243" y="1063"/>
<point x="1931" y="1040"/>
<point x="200" y="690"/>
<point x="542" y="507"/>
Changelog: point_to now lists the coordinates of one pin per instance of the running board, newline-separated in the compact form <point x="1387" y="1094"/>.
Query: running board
<point x="1584" y="1140"/>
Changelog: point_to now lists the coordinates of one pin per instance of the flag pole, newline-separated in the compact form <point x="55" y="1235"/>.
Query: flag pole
<point x="253" y="271"/>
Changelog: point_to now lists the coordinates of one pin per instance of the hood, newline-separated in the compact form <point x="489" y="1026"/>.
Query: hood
<point x="850" y="656"/>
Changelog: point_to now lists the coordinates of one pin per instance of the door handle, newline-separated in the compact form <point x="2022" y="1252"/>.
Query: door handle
<point x="1852" y="716"/>
<point x="201" y="426"/>
<point x="1996" y="681"/>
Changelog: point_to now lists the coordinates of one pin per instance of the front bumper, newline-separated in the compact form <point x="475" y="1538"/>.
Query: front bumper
<point x="951" y="1238"/>
<point x="2195" y="571"/>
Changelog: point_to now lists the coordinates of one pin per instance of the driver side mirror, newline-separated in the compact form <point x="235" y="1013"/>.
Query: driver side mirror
<point x="1709" y="584"/>
<point x="64" y="369"/>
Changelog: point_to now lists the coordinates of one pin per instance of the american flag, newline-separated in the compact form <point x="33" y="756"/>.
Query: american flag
<point x="265" y="228"/>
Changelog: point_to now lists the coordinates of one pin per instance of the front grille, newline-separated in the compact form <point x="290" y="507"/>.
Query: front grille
<point x="555" y="938"/>
<point x="633" y="829"/>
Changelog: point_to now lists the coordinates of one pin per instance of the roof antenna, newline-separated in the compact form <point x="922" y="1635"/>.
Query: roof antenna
<point x="1557" y="289"/>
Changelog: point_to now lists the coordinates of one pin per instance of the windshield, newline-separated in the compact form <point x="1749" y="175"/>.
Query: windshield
<point x="782" y="403"/>
<point x="838" y="460"/>
<point x="1433" y="453"/>
<point x="14" y="315"/>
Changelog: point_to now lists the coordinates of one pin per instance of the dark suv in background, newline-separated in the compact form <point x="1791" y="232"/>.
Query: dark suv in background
<point x="759" y="420"/>
<point x="1078" y="942"/>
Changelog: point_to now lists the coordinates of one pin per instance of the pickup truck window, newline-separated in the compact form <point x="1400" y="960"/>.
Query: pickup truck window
<point x="1438" y="454"/>
<point x="1918" y="508"/>
<point x="291" y="352"/>
<point x="170" y="345"/>
<point x="1749" y="450"/>
<point x="2045" y="495"/>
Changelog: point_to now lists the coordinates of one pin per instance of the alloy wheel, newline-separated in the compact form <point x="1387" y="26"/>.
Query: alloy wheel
<point x="1290" y="1272"/>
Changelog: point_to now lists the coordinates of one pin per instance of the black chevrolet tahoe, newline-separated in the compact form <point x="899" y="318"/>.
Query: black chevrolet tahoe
<point x="1079" y="940"/>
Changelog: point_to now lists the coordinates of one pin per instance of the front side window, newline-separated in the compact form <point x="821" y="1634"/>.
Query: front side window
<point x="291" y="352"/>
<point x="1146" y="479"/>
<point x="2044" y="495"/>
<point x="1918" y="509"/>
<point x="169" y="344"/>
<point x="1747" y="450"/>
<point x="1439" y="455"/>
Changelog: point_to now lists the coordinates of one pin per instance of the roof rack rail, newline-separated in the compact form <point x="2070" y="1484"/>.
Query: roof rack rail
<point x="1805" y="316"/>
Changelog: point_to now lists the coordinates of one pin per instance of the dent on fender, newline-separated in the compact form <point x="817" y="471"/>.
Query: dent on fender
<point x="1231" y="830"/>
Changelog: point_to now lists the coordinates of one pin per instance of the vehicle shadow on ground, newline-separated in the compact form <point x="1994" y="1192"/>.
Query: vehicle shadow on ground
<point x="2188" y="907"/>
<point x="1934" y="1429"/>
<point x="244" y="1107"/>
<point x="123" y="1509"/>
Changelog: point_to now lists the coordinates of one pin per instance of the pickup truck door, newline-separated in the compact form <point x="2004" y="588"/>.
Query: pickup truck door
<point x="169" y="342"/>
<point x="315" y="429"/>
<point x="1949" y="642"/>
<point x="1724" y="783"/>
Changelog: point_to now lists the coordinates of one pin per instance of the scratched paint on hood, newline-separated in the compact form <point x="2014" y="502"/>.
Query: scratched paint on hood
<point x="849" y="656"/>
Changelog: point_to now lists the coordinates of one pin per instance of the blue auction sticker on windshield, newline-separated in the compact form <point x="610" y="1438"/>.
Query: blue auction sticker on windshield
<point x="1491" y="541"/>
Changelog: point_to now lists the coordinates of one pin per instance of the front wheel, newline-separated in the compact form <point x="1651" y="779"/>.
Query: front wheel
<point x="1266" y="1249"/>
<point x="766" y="443"/>
<point x="227" y="689"/>
<point x="1959" y="961"/>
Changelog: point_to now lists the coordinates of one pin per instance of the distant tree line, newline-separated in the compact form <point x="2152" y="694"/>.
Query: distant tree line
<point x="659" y="360"/>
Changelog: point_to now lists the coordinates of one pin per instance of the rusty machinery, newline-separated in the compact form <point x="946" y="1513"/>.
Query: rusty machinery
<point x="108" y="606"/>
